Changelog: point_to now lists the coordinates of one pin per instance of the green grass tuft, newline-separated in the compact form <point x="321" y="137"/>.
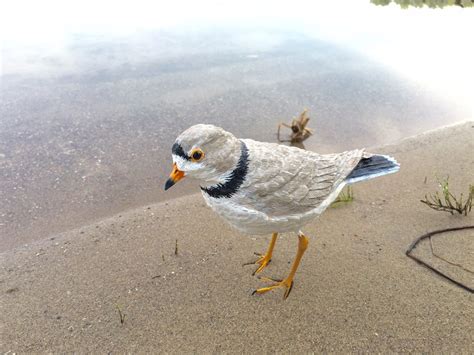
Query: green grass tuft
<point x="345" y="196"/>
<point x="447" y="202"/>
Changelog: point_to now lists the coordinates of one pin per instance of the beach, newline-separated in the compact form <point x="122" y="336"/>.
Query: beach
<point x="90" y="134"/>
<point x="168" y="277"/>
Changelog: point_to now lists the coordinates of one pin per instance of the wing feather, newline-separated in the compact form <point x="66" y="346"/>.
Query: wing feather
<point x="286" y="180"/>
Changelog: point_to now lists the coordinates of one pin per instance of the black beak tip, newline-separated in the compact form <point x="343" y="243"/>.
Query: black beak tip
<point x="168" y="184"/>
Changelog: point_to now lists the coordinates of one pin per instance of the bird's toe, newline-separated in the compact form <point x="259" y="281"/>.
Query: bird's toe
<point x="287" y="284"/>
<point x="262" y="263"/>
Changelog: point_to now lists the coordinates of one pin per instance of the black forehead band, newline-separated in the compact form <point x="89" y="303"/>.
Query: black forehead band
<point x="178" y="150"/>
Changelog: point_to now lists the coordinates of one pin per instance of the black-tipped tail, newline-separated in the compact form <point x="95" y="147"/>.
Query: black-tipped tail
<point x="374" y="166"/>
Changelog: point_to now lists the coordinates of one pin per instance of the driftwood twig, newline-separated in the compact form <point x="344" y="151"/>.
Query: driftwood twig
<point x="419" y="261"/>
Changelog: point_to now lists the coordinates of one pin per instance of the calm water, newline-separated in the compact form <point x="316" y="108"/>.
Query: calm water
<point x="87" y="133"/>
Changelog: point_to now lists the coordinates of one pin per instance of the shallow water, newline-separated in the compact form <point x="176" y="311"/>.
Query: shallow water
<point x="87" y="133"/>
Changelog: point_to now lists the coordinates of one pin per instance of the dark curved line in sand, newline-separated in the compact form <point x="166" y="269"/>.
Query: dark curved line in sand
<point x="419" y="261"/>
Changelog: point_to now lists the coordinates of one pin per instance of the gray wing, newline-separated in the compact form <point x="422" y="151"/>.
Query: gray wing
<point x="286" y="180"/>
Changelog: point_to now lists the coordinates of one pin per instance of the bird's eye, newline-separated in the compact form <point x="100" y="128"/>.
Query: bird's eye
<point x="197" y="155"/>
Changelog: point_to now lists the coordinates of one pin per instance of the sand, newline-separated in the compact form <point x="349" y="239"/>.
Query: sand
<point x="355" y="290"/>
<point x="89" y="133"/>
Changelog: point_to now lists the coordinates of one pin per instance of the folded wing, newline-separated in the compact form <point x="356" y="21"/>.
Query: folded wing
<point x="285" y="181"/>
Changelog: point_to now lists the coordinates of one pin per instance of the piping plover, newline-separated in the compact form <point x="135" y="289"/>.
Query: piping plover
<point x="263" y="188"/>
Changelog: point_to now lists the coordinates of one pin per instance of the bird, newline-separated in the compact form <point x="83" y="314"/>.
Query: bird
<point x="264" y="188"/>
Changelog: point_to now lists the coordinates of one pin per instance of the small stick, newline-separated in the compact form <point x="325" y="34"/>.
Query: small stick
<point x="446" y="260"/>
<point x="122" y="315"/>
<point x="419" y="261"/>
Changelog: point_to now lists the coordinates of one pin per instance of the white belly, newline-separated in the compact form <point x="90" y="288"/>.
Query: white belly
<point x="250" y="221"/>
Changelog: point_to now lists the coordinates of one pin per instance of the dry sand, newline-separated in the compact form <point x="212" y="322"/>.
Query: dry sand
<point x="355" y="290"/>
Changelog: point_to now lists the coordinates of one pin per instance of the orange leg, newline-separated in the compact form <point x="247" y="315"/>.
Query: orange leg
<point x="264" y="260"/>
<point x="287" y="283"/>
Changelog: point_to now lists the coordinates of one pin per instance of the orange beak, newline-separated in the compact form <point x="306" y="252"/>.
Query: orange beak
<point x="175" y="176"/>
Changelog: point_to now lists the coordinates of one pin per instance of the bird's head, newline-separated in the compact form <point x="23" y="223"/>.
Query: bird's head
<point x="204" y="152"/>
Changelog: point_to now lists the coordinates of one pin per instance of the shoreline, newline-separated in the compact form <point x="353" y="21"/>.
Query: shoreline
<point x="355" y="290"/>
<point x="406" y="140"/>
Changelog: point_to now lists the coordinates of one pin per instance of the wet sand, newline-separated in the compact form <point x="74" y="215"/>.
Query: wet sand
<point x="356" y="290"/>
<point x="87" y="134"/>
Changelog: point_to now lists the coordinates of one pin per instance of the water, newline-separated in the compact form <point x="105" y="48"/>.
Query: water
<point x="86" y="133"/>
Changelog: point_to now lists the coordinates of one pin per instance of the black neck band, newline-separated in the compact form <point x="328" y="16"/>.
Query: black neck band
<point x="235" y="179"/>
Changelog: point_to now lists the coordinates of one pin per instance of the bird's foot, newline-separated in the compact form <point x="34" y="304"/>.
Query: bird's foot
<point x="262" y="261"/>
<point x="287" y="284"/>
